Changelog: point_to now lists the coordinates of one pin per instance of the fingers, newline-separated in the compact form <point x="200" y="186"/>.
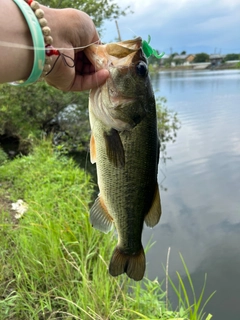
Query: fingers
<point x="78" y="33"/>
<point x="82" y="64"/>
<point x="90" y="81"/>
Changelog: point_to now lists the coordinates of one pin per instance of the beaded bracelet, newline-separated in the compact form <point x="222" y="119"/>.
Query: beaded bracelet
<point x="42" y="40"/>
<point x="46" y="31"/>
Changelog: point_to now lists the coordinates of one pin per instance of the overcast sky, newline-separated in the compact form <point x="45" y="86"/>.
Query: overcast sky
<point x="210" y="26"/>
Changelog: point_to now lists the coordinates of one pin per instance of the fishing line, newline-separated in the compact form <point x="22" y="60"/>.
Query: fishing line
<point x="23" y="46"/>
<point x="135" y="35"/>
<point x="95" y="69"/>
<point x="64" y="56"/>
<point x="64" y="59"/>
<point x="147" y="49"/>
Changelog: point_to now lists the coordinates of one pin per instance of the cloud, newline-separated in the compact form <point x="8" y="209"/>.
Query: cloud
<point x="183" y="25"/>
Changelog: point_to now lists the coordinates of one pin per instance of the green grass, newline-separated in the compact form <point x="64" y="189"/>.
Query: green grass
<point x="196" y="308"/>
<point x="53" y="263"/>
<point x="3" y="156"/>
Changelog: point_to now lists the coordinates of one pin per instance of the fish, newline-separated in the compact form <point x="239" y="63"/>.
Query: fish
<point x="125" y="146"/>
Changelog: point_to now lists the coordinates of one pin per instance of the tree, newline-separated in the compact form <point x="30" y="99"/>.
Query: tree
<point x="28" y="110"/>
<point x="184" y="52"/>
<point x="99" y="10"/>
<point x="201" y="57"/>
<point x="232" y="56"/>
<point x="168" y="125"/>
<point x="174" y="54"/>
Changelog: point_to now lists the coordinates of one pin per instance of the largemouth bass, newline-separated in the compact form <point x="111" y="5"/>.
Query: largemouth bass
<point x="125" y="146"/>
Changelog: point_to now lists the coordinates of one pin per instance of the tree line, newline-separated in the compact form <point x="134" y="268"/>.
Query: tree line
<point x="199" y="57"/>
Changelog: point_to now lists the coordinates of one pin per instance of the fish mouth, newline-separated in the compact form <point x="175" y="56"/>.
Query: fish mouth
<point x="114" y="54"/>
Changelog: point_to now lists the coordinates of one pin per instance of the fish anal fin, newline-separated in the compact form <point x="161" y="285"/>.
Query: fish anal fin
<point x="92" y="149"/>
<point x="114" y="148"/>
<point x="99" y="216"/>
<point x="134" y="265"/>
<point x="154" y="214"/>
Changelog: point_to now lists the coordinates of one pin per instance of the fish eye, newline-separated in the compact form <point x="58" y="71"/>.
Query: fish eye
<point x="142" y="69"/>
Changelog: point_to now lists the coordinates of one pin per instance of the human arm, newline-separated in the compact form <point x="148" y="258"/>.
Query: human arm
<point x="69" y="28"/>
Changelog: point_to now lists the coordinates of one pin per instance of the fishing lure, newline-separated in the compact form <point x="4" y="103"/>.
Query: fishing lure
<point x="148" y="50"/>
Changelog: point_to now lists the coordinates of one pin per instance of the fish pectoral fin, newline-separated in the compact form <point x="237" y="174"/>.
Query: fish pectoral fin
<point x="154" y="214"/>
<point x="92" y="149"/>
<point x="114" y="148"/>
<point x="99" y="216"/>
<point x="133" y="264"/>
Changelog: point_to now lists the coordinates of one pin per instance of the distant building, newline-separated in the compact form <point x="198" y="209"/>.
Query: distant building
<point x="182" y="59"/>
<point x="216" y="59"/>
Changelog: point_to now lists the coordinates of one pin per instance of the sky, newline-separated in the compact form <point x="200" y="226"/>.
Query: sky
<point x="194" y="26"/>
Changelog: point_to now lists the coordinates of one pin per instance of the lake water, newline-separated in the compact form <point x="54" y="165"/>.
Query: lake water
<point x="201" y="207"/>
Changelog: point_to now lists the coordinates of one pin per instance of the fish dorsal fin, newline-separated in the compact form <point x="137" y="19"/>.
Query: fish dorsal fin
<point x="154" y="214"/>
<point x="114" y="148"/>
<point x="92" y="149"/>
<point x="99" y="216"/>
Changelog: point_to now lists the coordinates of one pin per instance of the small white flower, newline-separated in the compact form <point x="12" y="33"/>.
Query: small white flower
<point x="20" y="207"/>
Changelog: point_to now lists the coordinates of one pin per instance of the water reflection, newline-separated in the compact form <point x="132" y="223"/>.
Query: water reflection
<point x="222" y="259"/>
<point x="196" y="81"/>
<point x="201" y="210"/>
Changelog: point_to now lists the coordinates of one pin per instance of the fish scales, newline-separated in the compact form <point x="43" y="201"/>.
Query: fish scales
<point x="125" y="147"/>
<point x="128" y="191"/>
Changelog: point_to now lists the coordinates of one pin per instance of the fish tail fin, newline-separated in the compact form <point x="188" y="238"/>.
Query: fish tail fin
<point x="133" y="264"/>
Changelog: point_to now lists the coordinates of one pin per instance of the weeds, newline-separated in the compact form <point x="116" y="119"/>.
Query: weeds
<point x="195" y="309"/>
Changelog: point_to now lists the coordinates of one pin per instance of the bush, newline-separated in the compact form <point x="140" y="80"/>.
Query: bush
<point x="3" y="156"/>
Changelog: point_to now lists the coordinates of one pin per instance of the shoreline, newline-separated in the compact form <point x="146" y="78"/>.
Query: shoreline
<point x="176" y="68"/>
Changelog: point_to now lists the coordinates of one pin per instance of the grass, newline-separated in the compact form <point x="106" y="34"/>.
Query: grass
<point x="3" y="156"/>
<point x="53" y="263"/>
<point x="196" y="308"/>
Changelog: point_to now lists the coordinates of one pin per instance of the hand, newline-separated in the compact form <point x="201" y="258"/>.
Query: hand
<point x="72" y="28"/>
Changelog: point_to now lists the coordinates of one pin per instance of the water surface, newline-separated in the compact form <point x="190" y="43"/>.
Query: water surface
<point x="201" y="207"/>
